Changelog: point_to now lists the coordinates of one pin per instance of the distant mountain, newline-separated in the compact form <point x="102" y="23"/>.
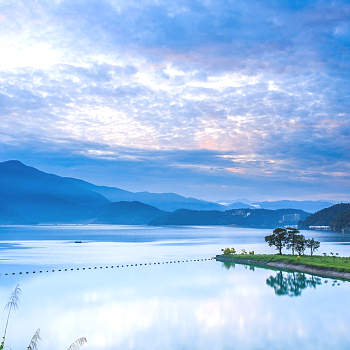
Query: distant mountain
<point x="243" y="217"/>
<point x="31" y="196"/>
<point x="163" y="201"/>
<point x="28" y="195"/>
<point x="127" y="213"/>
<point x="18" y="180"/>
<point x="309" y="206"/>
<point x="335" y="216"/>
<point x="9" y="216"/>
<point x="236" y="205"/>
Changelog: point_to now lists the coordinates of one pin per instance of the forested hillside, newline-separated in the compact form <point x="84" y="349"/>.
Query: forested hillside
<point x="333" y="216"/>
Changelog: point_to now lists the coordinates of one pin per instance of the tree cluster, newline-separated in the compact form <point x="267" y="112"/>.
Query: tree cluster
<point x="291" y="239"/>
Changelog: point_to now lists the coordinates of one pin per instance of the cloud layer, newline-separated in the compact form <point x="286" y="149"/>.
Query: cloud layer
<point x="219" y="97"/>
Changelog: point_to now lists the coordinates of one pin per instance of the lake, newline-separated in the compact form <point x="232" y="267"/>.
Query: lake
<point x="142" y="287"/>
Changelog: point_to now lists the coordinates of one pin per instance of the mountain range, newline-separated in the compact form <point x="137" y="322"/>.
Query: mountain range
<point x="308" y="206"/>
<point x="163" y="201"/>
<point x="31" y="196"/>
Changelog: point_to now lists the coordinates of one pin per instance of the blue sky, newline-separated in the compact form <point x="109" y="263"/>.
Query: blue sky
<point x="211" y="99"/>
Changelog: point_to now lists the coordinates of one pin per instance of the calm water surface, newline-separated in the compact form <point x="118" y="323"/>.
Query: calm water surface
<point x="171" y="305"/>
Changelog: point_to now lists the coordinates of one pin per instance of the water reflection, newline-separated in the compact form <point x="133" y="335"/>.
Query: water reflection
<point x="286" y="283"/>
<point x="293" y="283"/>
<point x="229" y="264"/>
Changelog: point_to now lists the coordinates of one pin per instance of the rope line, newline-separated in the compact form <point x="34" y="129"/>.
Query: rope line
<point x="110" y="266"/>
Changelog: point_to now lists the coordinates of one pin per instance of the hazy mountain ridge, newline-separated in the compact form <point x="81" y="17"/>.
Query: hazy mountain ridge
<point x="306" y="205"/>
<point x="28" y="195"/>
<point x="163" y="201"/>
<point x="19" y="180"/>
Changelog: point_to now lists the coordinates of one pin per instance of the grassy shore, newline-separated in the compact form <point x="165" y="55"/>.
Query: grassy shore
<point x="340" y="264"/>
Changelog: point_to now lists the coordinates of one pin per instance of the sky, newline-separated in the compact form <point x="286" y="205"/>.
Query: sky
<point x="210" y="99"/>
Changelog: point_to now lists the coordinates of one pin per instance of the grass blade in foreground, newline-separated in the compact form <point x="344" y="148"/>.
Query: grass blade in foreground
<point x="78" y="344"/>
<point x="33" y="345"/>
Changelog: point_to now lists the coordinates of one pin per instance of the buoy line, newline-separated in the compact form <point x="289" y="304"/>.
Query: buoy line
<point x="109" y="266"/>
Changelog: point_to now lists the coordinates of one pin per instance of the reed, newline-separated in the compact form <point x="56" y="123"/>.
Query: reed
<point x="12" y="304"/>
<point x="33" y="345"/>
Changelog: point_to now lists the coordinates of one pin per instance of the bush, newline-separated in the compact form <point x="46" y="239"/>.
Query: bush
<point x="227" y="251"/>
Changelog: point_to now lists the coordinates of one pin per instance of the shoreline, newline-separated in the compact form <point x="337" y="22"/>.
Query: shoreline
<point x="293" y="267"/>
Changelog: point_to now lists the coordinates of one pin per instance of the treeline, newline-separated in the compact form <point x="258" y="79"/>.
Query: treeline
<point x="291" y="239"/>
<point x="336" y="216"/>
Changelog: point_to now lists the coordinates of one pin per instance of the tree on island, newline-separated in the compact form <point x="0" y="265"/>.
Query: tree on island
<point x="300" y="244"/>
<point x="313" y="245"/>
<point x="292" y="237"/>
<point x="278" y="239"/>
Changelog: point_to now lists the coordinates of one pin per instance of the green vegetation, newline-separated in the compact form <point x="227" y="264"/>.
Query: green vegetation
<point x="291" y="239"/>
<point x="332" y="216"/>
<point x="12" y="304"/>
<point x="342" y="221"/>
<point x="279" y="239"/>
<point x="336" y="263"/>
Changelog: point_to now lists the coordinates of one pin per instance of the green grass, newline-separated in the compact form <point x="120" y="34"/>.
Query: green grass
<point x="341" y="264"/>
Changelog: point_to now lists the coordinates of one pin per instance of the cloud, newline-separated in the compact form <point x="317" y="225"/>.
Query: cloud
<point x="249" y="90"/>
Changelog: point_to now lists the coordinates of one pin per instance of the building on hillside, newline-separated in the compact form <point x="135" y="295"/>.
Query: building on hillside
<point x="291" y="217"/>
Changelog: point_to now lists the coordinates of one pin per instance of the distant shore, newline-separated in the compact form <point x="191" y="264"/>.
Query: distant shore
<point x="316" y="265"/>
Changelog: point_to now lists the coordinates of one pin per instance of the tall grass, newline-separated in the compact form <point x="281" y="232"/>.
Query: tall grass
<point x="12" y="304"/>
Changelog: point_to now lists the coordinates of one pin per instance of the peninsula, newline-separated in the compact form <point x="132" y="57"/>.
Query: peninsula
<point x="323" y="266"/>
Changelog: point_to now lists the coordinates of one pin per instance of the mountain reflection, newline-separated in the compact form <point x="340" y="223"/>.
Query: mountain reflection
<point x="292" y="284"/>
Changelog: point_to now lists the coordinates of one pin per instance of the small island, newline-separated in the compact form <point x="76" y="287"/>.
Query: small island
<point x="332" y="266"/>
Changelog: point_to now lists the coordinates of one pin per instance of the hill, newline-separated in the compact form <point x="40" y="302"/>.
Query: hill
<point x="127" y="213"/>
<point x="334" y="216"/>
<point x="342" y="221"/>
<point x="243" y="217"/>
